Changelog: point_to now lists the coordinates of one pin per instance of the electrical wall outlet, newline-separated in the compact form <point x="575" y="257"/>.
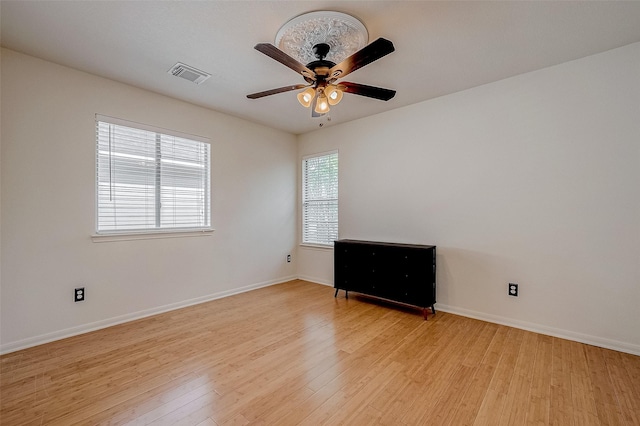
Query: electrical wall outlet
<point x="78" y="294"/>
<point x="288" y="258"/>
<point x="513" y="289"/>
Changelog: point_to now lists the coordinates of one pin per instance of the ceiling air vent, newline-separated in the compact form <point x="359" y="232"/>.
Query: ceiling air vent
<point x="192" y="74"/>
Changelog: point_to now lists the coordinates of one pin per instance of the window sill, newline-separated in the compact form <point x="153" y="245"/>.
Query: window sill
<point x="316" y="246"/>
<point x="105" y="238"/>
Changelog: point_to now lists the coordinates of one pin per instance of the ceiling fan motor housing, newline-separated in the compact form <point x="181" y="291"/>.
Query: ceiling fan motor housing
<point x="321" y="50"/>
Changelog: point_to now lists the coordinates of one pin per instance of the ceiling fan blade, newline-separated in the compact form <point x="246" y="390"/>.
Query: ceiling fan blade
<point x="369" y="91"/>
<point x="278" y="90"/>
<point x="362" y="57"/>
<point x="273" y="52"/>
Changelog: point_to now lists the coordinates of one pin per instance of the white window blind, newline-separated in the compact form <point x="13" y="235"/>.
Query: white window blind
<point x="320" y="199"/>
<point x="149" y="179"/>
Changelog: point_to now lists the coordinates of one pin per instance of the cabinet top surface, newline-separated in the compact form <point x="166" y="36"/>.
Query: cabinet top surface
<point x="380" y="243"/>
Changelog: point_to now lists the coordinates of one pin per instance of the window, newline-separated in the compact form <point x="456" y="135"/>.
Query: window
<point x="150" y="180"/>
<point x="320" y="199"/>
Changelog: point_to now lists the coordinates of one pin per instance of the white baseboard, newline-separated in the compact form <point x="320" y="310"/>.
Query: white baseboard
<point x="86" y="328"/>
<point x="315" y="280"/>
<point x="542" y="329"/>
<point x="536" y="328"/>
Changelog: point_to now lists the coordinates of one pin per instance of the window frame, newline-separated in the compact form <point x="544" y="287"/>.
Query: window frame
<point x="158" y="231"/>
<point x="328" y="245"/>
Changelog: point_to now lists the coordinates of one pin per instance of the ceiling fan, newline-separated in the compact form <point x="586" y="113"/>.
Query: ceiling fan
<point x="321" y="75"/>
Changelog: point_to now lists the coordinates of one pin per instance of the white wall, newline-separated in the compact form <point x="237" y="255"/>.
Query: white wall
<point x="48" y="209"/>
<point x="534" y="180"/>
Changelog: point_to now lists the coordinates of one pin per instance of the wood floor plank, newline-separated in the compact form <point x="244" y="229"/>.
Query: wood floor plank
<point x="561" y="405"/>
<point x="469" y="406"/>
<point x="518" y="396"/>
<point x="540" y="393"/>
<point x="444" y="410"/>
<point x="293" y="354"/>
<point x="604" y="392"/>
<point x="477" y="351"/>
<point x="505" y="368"/>
<point x="275" y="416"/>
<point x="490" y="410"/>
<point x="156" y="403"/>
<point x="585" y="411"/>
<point x="504" y="354"/>
<point x="357" y="403"/>
<point x="441" y="369"/>
<point x="625" y="387"/>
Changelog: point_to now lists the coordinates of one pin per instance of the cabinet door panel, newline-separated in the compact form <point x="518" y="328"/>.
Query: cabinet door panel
<point x="370" y="270"/>
<point x="348" y="267"/>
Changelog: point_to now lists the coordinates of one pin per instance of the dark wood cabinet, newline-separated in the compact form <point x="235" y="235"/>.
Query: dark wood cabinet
<point x="402" y="273"/>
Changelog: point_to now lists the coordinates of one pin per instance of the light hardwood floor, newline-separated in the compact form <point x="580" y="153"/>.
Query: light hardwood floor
<point x="292" y="354"/>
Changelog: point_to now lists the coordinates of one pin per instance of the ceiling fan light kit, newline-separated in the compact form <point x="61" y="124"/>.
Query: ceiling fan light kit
<point x="332" y="44"/>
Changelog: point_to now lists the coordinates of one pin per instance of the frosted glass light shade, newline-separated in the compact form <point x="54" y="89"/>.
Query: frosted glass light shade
<point x="306" y="96"/>
<point x="334" y="95"/>
<point x="322" y="106"/>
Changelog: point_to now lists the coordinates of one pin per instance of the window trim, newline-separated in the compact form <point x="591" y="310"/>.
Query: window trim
<point x="151" y="233"/>
<point x="133" y="236"/>
<point x="302" y="182"/>
<point x="150" y="128"/>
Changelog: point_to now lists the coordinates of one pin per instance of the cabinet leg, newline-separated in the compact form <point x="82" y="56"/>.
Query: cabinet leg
<point x="424" y="311"/>
<point x="346" y="293"/>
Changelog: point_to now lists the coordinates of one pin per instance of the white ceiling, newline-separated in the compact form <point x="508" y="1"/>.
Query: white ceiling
<point x="441" y="47"/>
